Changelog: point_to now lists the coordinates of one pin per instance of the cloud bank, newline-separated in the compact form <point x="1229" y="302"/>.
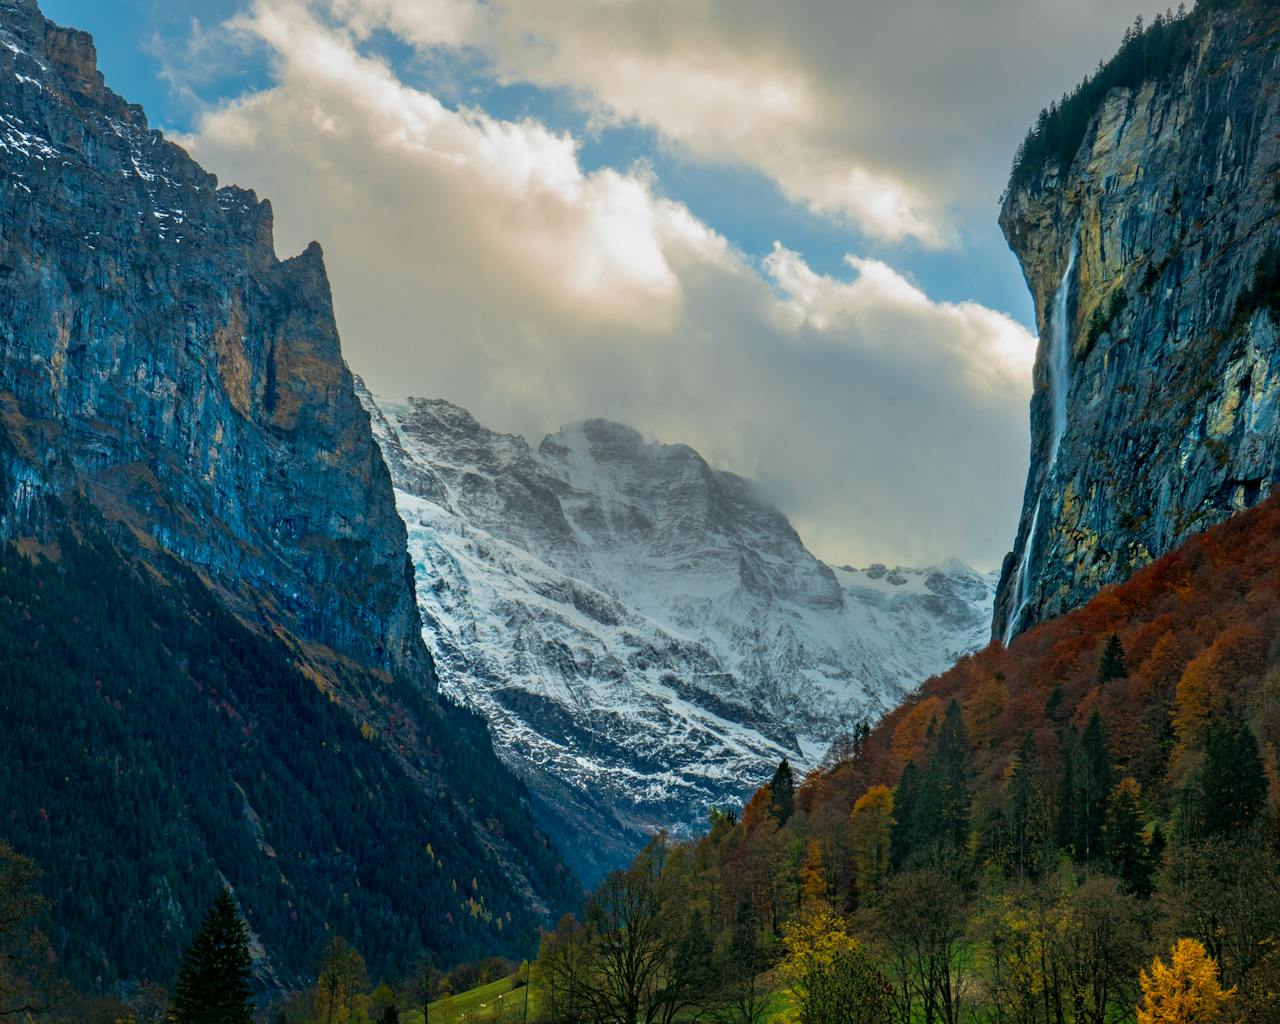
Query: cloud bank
<point x="475" y="258"/>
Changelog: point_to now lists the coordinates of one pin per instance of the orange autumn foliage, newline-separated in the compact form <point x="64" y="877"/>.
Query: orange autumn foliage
<point x="911" y="732"/>
<point x="1206" y="683"/>
<point x="1194" y="627"/>
<point x="870" y="828"/>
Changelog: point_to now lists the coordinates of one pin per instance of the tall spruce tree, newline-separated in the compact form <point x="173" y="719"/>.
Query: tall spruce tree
<point x="1094" y="776"/>
<point x="782" y="793"/>
<point x="933" y="817"/>
<point x="1127" y="853"/>
<point x="1028" y="827"/>
<point x="1065" y="823"/>
<point x="1233" y="783"/>
<point x="213" y="981"/>
<point x="1113" y="665"/>
<point x="950" y="767"/>
<point x="905" y="798"/>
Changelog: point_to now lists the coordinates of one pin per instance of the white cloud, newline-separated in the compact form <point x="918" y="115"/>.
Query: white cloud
<point x="881" y="306"/>
<point x="475" y="259"/>
<point x="899" y="117"/>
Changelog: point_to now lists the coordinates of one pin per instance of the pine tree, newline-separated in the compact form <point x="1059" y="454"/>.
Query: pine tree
<point x="1065" y="825"/>
<point x="1113" y="664"/>
<point x="1233" y="784"/>
<point x="933" y="817"/>
<point x="782" y="793"/>
<point x="1026" y="814"/>
<point x="951" y="761"/>
<point x="1053" y="706"/>
<point x="213" y="982"/>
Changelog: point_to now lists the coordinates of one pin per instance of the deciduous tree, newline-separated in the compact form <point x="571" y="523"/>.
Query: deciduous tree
<point x="870" y="837"/>
<point x="22" y="947"/>
<point x="1183" y="990"/>
<point x="342" y="980"/>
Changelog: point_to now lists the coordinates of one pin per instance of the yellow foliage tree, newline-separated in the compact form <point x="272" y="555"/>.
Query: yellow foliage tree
<point x="1206" y="683"/>
<point x="1185" y="990"/>
<point x="831" y="978"/>
<point x="870" y="827"/>
<point x="909" y="738"/>
<point x="813" y="943"/>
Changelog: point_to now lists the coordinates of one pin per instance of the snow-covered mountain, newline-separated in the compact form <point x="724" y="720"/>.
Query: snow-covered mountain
<point x="646" y="634"/>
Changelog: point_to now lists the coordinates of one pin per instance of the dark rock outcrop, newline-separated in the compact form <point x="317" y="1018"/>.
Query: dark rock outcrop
<point x="1142" y="257"/>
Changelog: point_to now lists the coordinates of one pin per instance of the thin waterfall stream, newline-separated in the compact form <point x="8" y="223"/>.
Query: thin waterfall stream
<point x="1059" y="385"/>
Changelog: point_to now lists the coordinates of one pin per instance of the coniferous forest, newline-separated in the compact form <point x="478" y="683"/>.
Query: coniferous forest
<point x="172" y="697"/>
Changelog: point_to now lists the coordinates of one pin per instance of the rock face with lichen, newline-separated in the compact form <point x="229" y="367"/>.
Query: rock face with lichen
<point x="158" y="362"/>
<point x="1164" y="323"/>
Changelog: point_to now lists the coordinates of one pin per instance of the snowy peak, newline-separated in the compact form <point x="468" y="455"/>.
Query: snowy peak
<point x="646" y="634"/>
<point x="663" y="510"/>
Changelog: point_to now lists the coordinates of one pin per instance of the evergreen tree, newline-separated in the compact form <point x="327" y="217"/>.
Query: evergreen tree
<point x="1113" y="664"/>
<point x="1053" y="706"/>
<point x="1094" y="777"/>
<point x="950" y="768"/>
<point x="1064" y="826"/>
<point x="1028" y="828"/>
<point x="905" y="798"/>
<point x="1233" y="784"/>
<point x="933" y="819"/>
<point x="213" y="982"/>
<point x="782" y="793"/>
<point x="1127" y="854"/>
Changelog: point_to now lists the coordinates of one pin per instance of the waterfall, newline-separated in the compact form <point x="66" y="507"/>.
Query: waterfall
<point x="1060" y="353"/>
<point x="1022" y="580"/>
<point x="1060" y="348"/>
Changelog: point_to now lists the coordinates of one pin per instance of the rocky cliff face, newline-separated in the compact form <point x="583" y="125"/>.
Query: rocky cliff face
<point x="167" y="382"/>
<point x="1152" y="261"/>
<point x="159" y="362"/>
<point x="645" y="634"/>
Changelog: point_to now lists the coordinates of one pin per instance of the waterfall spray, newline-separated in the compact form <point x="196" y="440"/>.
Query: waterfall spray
<point x="1060" y="348"/>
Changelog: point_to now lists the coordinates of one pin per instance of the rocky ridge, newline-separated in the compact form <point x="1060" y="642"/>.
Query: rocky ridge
<point x="158" y="361"/>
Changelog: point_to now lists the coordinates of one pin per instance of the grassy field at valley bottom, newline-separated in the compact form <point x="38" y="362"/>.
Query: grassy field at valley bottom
<point x="503" y="1002"/>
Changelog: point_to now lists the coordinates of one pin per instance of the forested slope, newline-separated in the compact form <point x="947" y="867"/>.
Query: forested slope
<point x="1017" y="843"/>
<point x="156" y="748"/>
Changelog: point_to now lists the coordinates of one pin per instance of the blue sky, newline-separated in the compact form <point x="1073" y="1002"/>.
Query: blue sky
<point x="767" y="230"/>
